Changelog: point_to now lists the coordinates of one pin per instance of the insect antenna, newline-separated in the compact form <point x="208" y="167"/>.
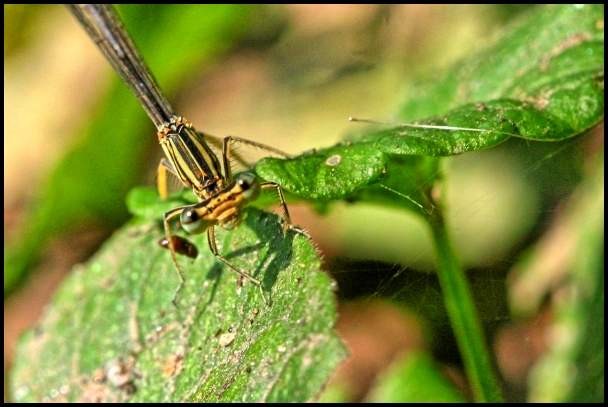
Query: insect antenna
<point x="409" y="198"/>
<point x="428" y="126"/>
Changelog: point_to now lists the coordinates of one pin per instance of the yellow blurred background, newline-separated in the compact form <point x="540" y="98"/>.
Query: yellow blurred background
<point x="291" y="80"/>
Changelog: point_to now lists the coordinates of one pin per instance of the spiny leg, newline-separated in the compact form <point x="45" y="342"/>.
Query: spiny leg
<point x="216" y="253"/>
<point x="287" y="224"/>
<point x="168" y="216"/>
<point x="285" y="214"/>
<point x="229" y="140"/>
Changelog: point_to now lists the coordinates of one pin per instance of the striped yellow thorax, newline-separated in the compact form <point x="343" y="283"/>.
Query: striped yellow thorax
<point x="194" y="162"/>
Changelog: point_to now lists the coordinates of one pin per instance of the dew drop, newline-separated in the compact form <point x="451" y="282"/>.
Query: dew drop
<point x="227" y="338"/>
<point x="118" y="373"/>
<point x="333" y="160"/>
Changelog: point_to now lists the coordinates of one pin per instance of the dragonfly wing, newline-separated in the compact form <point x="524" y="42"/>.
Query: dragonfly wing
<point x="240" y="160"/>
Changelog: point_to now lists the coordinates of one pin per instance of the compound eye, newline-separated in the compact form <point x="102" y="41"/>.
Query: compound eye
<point x="189" y="215"/>
<point x="191" y="221"/>
<point x="248" y="184"/>
<point x="245" y="180"/>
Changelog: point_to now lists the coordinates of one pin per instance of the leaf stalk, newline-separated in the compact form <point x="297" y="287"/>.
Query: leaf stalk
<point x="463" y="315"/>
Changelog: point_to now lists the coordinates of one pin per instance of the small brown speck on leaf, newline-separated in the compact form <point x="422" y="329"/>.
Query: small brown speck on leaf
<point x="227" y="338"/>
<point x="173" y="365"/>
<point x="99" y="376"/>
<point x="120" y="373"/>
<point x="569" y="42"/>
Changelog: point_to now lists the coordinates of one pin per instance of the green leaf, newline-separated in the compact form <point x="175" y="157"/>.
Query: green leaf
<point x="334" y="393"/>
<point x="114" y="148"/>
<point x="551" y="47"/>
<point x="144" y="202"/>
<point x="463" y="315"/>
<point x="542" y="81"/>
<point x="410" y="177"/>
<point x="329" y="173"/>
<point x="111" y="332"/>
<point x="414" y="378"/>
<point x="573" y="367"/>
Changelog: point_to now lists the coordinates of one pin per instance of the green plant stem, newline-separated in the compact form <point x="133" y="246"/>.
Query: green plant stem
<point x="463" y="316"/>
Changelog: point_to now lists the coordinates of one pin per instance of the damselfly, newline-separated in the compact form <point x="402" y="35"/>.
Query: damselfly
<point x="187" y="153"/>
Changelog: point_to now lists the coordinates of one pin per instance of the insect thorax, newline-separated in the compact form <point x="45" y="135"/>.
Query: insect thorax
<point x="193" y="161"/>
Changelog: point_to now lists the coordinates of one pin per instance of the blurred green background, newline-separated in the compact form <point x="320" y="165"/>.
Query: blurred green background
<point x="76" y="141"/>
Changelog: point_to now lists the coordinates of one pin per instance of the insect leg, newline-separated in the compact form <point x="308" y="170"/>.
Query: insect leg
<point x="287" y="224"/>
<point x="161" y="179"/>
<point x="216" y="253"/>
<point x="230" y="140"/>
<point x="166" y="218"/>
<point x="285" y="214"/>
